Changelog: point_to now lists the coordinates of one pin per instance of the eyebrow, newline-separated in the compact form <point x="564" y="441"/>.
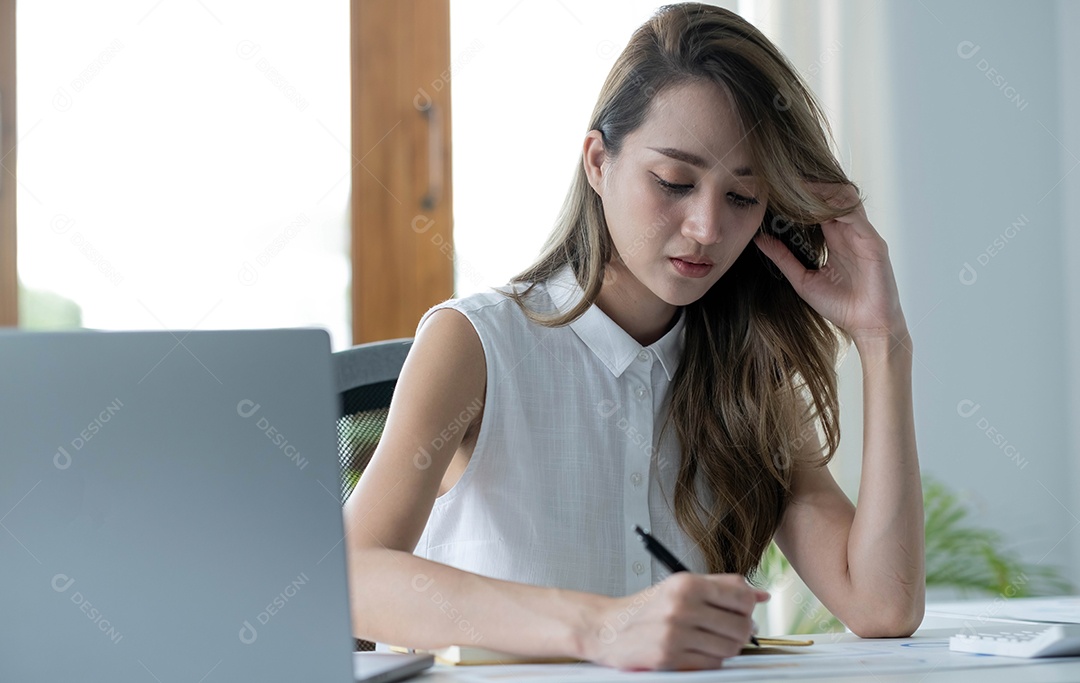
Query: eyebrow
<point x="695" y="160"/>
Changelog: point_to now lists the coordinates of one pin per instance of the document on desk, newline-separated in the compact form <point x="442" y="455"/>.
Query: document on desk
<point x="461" y="655"/>
<point x="1055" y="610"/>
<point x="886" y="656"/>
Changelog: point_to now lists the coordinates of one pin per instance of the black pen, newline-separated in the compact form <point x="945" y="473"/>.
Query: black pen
<point x="664" y="556"/>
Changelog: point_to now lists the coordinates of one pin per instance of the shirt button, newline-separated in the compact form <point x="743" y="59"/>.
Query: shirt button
<point x="643" y="355"/>
<point x="640" y="392"/>
<point x="636" y="478"/>
<point x="638" y="568"/>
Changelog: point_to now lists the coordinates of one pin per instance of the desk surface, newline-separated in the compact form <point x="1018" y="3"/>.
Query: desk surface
<point x="868" y="669"/>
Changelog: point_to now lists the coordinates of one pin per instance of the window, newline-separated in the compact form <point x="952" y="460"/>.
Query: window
<point x="184" y="164"/>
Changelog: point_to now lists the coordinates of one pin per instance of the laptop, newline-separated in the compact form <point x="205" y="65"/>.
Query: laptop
<point x="170" y="509"/>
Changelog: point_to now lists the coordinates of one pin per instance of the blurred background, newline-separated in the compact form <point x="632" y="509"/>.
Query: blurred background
<point x="205" y="164"/>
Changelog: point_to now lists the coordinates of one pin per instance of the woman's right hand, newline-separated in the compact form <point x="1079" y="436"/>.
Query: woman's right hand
<point x="687" y="621"/>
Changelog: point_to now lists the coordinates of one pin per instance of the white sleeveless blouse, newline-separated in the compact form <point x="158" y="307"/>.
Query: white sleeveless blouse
<point x="569" y="456"/>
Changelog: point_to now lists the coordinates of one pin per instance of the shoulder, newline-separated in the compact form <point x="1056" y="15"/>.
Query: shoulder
<point x="494" y="307"/>
<point x="447" y="343"/>
<point x="477" y="301"/>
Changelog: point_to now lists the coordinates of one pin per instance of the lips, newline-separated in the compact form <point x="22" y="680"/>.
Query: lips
<point x="694" y="260"/>
<point x="691" y="268"/>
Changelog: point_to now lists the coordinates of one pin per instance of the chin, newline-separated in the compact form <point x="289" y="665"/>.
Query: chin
<point x="686" y="300"/>
<point x="683" y="296"/>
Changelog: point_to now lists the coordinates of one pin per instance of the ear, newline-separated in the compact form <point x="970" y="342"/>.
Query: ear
<point x="595" y="160"/>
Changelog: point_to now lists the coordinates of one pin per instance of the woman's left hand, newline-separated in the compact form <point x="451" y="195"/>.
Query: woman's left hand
<point x="856" y="289"/>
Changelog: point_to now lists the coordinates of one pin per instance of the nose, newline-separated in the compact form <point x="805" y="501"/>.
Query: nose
<point x="702" y="222"/>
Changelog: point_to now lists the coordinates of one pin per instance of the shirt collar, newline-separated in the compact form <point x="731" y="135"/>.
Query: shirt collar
<point x="612" y="345"/>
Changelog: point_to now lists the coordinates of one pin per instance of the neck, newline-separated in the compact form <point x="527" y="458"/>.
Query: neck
<point x="639" y="312"/>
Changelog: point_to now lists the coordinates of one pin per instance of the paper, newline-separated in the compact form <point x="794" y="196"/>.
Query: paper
<point x="460" y="655"/>
<point x="903" y="655"/>
<point x="1058" y="610"/>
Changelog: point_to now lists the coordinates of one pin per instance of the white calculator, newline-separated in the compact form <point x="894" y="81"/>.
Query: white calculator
<point x="1027" y="640"/>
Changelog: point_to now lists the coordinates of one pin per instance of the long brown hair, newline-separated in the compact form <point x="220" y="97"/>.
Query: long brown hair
<point x="758" y="373"/>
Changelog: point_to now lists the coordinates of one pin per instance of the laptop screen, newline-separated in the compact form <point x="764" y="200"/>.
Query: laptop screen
<point x="170" y="507"/>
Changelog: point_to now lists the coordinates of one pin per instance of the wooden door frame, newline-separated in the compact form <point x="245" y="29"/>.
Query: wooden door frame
<point x="402" y="238"/>
<point x="9" y="281"/>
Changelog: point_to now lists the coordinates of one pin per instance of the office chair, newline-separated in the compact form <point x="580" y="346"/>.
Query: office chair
<point x="366" y="375"/>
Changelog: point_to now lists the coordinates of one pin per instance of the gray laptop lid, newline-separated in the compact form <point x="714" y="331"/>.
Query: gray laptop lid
<point x="169" y="508"/>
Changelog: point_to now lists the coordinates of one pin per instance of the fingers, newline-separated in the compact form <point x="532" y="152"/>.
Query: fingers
<point x="719" y="605"/>
<point x="835" y="194"/>
<point x="722" y="632"/>
<point x="833" y="230"/>
<point x="852" y="229"/>
<point x="689" y="621"/>
<point x="733" y="593"/>
<point x="710" y="645"/>
<point x="840" y="196"/>
<point x="779" y="254"/>
<point x="681" y="657"/>
<point x="694" y="661"/>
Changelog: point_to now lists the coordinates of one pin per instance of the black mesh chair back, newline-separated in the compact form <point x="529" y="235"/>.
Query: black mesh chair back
<point x="366" y="375"/>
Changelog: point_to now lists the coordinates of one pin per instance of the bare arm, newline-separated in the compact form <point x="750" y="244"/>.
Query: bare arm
<point x="866" y="564"/>
<point x="396" y="597"/>
<point x="404" y="599"/>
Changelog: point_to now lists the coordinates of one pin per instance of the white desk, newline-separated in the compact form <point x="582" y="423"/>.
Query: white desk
<point x="863" y="669"/>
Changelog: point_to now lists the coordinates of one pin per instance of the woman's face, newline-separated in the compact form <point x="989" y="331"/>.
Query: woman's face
<point x="681" y="200"/>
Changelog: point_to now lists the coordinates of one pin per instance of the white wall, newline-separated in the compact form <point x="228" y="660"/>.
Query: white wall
<point x="1068" y="21"/>
<point x="975" y="157"/>
<point x="949" y="160"/>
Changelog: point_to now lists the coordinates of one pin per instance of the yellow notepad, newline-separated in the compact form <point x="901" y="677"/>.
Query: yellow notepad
<point x="461" y="655"/>
<point x="780" y="642"/>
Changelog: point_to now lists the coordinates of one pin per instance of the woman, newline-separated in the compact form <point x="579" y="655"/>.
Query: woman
<point x="654" y="367"/>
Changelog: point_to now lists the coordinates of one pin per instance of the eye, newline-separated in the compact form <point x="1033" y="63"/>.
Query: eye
<point x="742" y="202"/>
<point x="672" y="188"/>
